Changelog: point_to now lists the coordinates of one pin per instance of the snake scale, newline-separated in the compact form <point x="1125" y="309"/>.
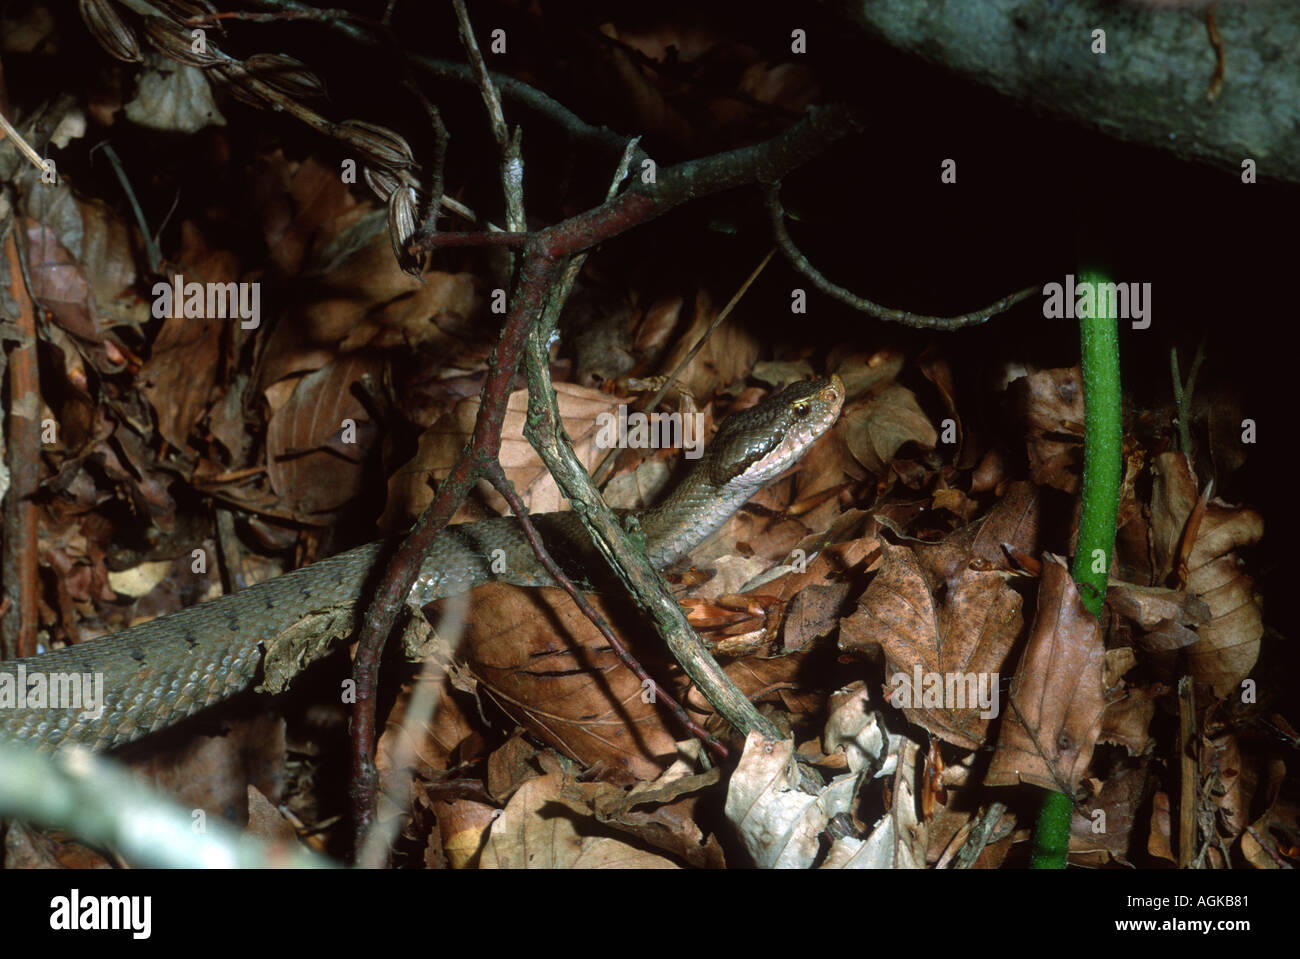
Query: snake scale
<point x="160" y="672"/>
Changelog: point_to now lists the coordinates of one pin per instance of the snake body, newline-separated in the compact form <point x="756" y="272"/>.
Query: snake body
<point x="160" y="672"/>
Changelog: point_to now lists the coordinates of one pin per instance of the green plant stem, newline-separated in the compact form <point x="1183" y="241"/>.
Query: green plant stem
<point x="1103" y="451"/>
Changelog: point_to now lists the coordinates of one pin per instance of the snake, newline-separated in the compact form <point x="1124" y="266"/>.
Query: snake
<point x="160" y="672"/>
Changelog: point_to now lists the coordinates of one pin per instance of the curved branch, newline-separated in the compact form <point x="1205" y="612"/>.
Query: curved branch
<point x="776" y="213"/>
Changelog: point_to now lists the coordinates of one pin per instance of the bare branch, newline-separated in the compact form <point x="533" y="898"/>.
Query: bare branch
<point x="776" y="213"/>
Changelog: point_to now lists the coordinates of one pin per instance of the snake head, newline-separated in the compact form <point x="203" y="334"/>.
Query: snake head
<point x="756" y="445"/>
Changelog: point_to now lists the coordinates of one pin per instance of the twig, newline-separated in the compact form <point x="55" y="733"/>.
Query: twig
<point x="438" y="162"/>
<point x="776" y="214"/>
<point x="1189" y="776"/>
<point x="606" y="464"/>
<point x="1183" y="394"/>
<point x="23" y="146"/>
<point x="319" y="14"/>
<point x="18" y="633"/>
<point x="629" y="563"/>
<point x="444" y="241"/>
<point x="503" y="485"/>
<point x="150" y="242"/>
<point x="579" y="131"/>
<point x="512" y="169"/>
<point x="420" y="708"/>
<point x="102" y="803"/>
<point x="981" y="834"/>
<point x="536" y="277"/>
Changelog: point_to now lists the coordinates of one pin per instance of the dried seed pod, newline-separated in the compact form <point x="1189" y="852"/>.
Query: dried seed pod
<point x="381" y="184"/>
<point x="182" y="10"/>
<point x="114" y="34"/>
<point x="291" y="77"/>
<point x="228" y="77"/>
<point x="401" y="227"/>
<point x="380" y="146"/>
<point x="177" y="43"/>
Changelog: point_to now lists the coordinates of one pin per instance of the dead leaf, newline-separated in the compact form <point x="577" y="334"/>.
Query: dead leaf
<point x="538" y="831"/>
<point x="1057" y="700"/>
<point x="943" y="660"/>
<point x="1052" y="407"/>
<point x="879" y="424"/>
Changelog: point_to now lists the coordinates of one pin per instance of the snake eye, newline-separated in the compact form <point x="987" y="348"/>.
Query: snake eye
<point x="802" y="409"/>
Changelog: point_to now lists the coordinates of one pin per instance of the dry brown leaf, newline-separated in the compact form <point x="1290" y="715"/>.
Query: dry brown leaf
<point x="791" y="86"/>
<point x="780" y="824"/>
<point x="58" y="283"/>
<point x="1127" y="721"/>
<point x="955" y="649"/>
<point x="660" y="814"/>
<point x="814" y="612"/>
<point x="212" y="772"/>
<point x="1012" y="522"/>
<point x="1229" y="642"/>
<point x="882" y="421"/>
<point x="301" y="205"/>
<point x="537" y="831"/>
<point x="636" y="92"/>
<point x="544" y="663"/>
<point x="864" y="371"/>
<point x="1105" y="822"/>
<point x="1160" y="834"/>
<point x="435" y="745"/>
<point x="319" y="438"/>
<point x="186" y="359"/>
<point x="1052" y="407"/>
<point x="727" y="355"/>
<point x="463" y="826"/>
<point x="1048" y="734"/>
<point x="1220" y="761"/>
<point x="510" y="766"/>
<point x="441" y="444"/>
<point x="173" y="97"/>
<point x="266" y="822"/>
<point x="181" y="374"/>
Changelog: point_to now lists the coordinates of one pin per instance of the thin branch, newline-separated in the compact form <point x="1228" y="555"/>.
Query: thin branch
<point x="546" y="258"/>
<point x="528" y="96"/>
<point x="607" y="464"/>
<point x="1183" y="394"/>
<point x="508" y="144"/>
<point x="102" y="803"/>
<point x="23" y="449"/>
<point x="776" y="214"/>
<point x="22" y="146"/>
<point x="438" y="162"/>
<point x="503" y="485"/>
<point x="420" y="708"/>
<point x="628" y="562"/>
<point x="152" y="255"/>
<point x="536" y="278"/>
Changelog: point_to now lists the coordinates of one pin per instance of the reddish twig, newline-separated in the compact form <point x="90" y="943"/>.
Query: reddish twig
<point x="24" y="429"/>
<point x="390" y="597"/>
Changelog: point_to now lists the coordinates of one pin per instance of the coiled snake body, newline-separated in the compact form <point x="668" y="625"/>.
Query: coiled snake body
<point x="158" y="673"/>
